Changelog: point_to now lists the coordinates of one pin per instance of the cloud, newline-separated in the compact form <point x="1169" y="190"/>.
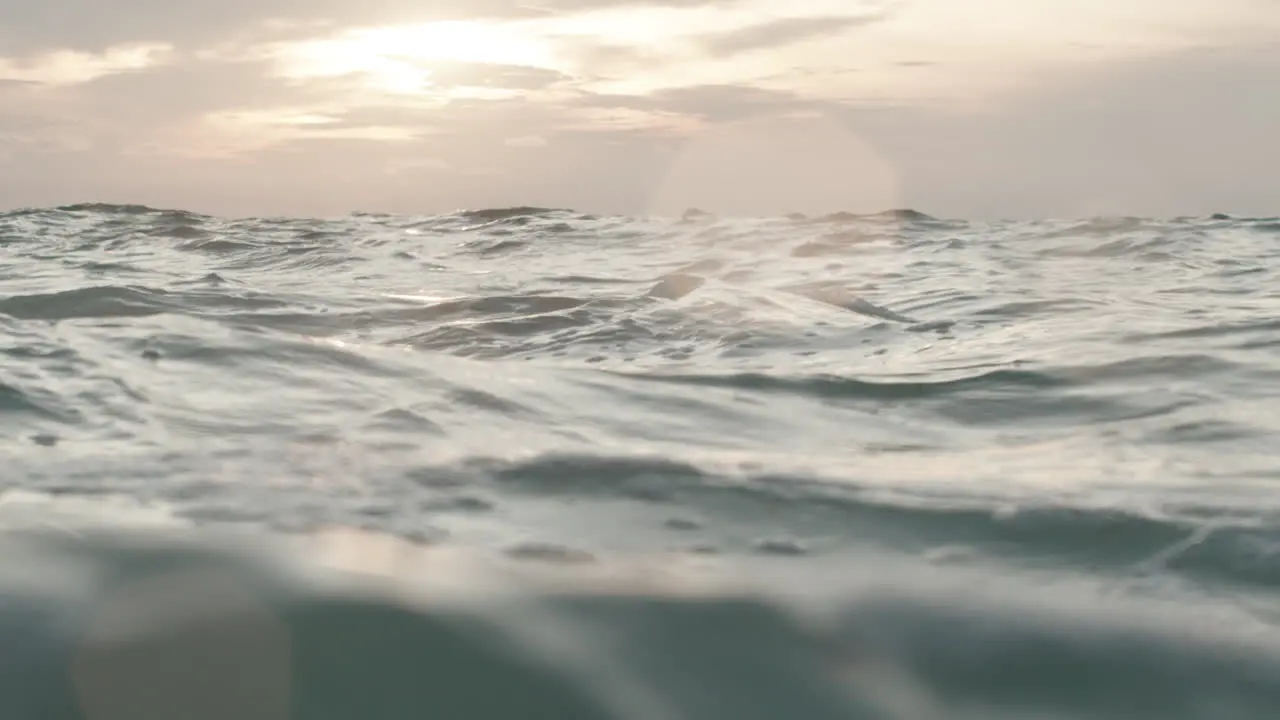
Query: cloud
<point x="526" y="141"/>
<point x="618" y="119"/>
<point x="35" y="25"/>
<point x="783" y="32"/>
<point x="93" y="25"/>
<point x="197" y="86"/>
<point x="191" y="109"/>
<point x="512" y="77"/>
<point x="70" y="67"/>
<point x="712" y="103"/>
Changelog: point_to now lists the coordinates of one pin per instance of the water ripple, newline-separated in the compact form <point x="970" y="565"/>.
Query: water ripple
<point x="783" y="387"/>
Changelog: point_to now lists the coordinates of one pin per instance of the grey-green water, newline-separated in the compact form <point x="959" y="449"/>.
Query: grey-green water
<point x="1024" y="468"/>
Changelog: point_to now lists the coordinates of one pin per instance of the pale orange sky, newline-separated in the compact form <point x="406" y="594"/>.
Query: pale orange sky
<point x="972" y="108"/>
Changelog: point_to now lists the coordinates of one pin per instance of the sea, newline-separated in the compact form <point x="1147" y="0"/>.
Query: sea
<point x="538" y="463"/>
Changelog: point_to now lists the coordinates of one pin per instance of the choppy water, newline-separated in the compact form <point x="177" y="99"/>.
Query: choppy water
<point x="915" y="467"/>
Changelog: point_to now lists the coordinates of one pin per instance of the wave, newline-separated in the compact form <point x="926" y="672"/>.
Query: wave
<point x="113" y="209"/>
<point x="106" y="301"/>
<point x="931" y="385"/>
<point x="897" y="214"/>
<point x="508" y="213"/>
<point x="827" y="386"/>
<point x="520" y="214"/>
<point x="822" y="515"/>
<point x="483" y="215"/>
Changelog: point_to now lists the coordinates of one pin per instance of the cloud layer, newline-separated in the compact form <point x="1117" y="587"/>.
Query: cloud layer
<point x="281" y="106"/>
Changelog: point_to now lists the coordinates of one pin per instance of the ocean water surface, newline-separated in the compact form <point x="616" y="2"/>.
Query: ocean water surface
<point x="538" y="463"/>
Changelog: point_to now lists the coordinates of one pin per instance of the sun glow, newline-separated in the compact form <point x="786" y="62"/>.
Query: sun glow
<point x="401" y="59"/>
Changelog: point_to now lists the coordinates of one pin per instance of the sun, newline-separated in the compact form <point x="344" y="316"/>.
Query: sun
<point x="400" y="59"/>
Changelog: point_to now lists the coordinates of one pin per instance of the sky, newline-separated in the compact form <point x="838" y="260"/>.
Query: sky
<point x="960" y="108"/>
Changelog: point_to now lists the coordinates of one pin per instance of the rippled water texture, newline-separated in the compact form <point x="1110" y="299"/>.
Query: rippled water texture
<point x="1090" y="399"/>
